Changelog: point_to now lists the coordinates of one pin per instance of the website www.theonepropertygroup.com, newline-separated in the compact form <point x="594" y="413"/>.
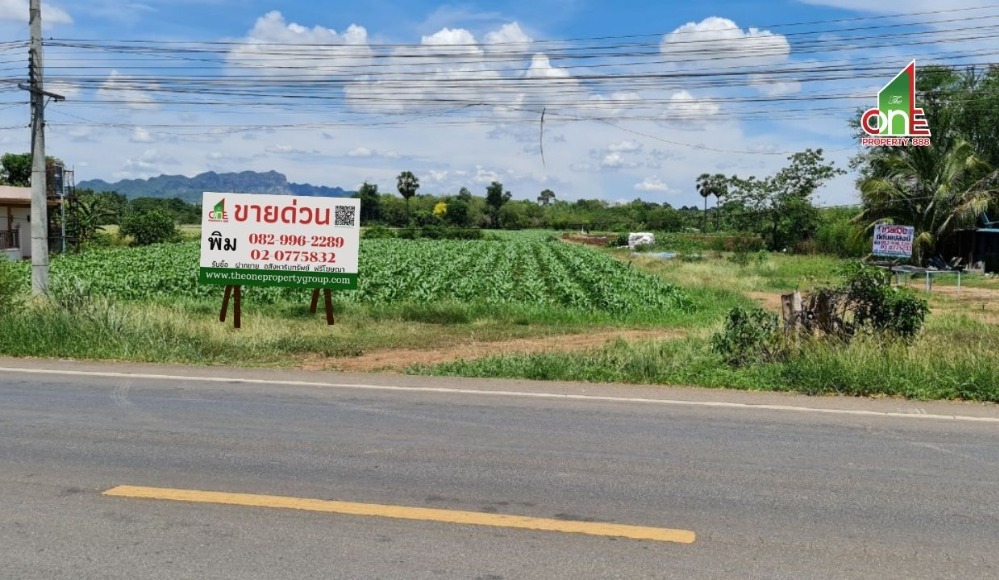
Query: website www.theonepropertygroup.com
<point x="236" y="277"/>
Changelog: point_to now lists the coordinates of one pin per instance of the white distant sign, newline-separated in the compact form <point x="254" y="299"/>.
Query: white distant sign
<point x="279" y="240"/>
<point x="893" y="241"/>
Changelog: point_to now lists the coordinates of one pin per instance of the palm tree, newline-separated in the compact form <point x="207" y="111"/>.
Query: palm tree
<point x="407" y="183"/>
<point x="708" y="185"/>
<point x="937" y="189"/>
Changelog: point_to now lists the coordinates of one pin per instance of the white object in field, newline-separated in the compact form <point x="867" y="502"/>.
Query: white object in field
<point x="640" y="238"/>
<point x="13" y="254"/>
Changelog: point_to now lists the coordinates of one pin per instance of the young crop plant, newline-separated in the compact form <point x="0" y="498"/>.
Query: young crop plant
<point x="530" y="270"/>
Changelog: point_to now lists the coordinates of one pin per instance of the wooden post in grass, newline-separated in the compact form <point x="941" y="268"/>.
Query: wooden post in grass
<point x="791" y="309"/>
<point x="315" y="300"/>
<point x="234" y="292"/>
<point x="327" y="303"/>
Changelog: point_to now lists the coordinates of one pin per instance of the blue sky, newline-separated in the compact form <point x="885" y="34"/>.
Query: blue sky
<point x="339" y="93"/>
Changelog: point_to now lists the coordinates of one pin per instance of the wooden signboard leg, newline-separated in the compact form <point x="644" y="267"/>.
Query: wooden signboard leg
<point x="234" y="292"/>
<point x="225" y="303"/>
<point x="315" y="301"/>
<point x="235" y="308"/>
<point x="328" y="296"/>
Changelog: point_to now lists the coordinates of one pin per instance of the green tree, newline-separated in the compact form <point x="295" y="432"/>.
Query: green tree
<point x="495" y="198"/>
<point x="15" y="169"/>
<point x="708" y="185"/>
<point x="937" y="190"/>
<point x="85" y="217"/>
<point x="112" y="205"/>
<point x="149" y="227"/>
<point x="371" y="203"/>
<point x="664" y="219"/>
<point x="407" y="184"/>
<point x="944" y="187"/>
<point x="545" y="197"/>
<point x="457" y="212"/>
<point x="779" y="207"/>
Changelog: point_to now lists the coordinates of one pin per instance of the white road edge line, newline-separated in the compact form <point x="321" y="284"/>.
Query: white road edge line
<point x="918" y="414"/>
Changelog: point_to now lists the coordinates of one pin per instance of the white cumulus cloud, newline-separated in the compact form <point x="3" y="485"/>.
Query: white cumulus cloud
<point x="707" y="42"/>
<point x="617" y="161"/>
<point x="508" y="39"/>
<point x="310" y="52"/>
<point x="684" y="108"/>
<point x="451" y="69"/>
<point x="652" y="184"/>
<point x="448" y="69"/>
<point x="366" y="152"/>
<point x="127" y="91"/>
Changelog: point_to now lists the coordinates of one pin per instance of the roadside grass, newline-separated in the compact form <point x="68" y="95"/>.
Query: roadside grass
<point x="187" y="330"/>
<point x="778" y="272"/>
<point x="142" y="304"/>
<point x="953" y="359"/>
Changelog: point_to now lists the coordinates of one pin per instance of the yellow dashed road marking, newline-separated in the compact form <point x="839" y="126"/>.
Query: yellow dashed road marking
<point x="406" y="513"/>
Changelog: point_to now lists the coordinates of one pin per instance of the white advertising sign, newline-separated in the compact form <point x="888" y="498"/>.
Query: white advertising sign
<point x="279" y="240"/>
<point x="893" y="241"/>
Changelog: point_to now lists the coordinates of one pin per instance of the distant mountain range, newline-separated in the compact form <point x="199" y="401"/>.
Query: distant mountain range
<point x="190" y="188"/>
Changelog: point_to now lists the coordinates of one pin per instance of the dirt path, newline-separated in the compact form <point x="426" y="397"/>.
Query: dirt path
<point x="399" y="359"/>
<point x="767" y="300"/>
<point x="978" y="303"/>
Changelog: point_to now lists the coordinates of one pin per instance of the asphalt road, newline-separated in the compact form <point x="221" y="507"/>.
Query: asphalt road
<point x="847" y="488"/>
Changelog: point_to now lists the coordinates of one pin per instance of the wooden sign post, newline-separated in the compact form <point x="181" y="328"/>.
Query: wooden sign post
<point x="278" y="240"/>
<point x="235" y="292"/>
<point x="328" y="295"/>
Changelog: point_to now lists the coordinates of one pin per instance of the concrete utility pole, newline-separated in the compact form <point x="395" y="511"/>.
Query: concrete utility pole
<point x="39" y="203"/>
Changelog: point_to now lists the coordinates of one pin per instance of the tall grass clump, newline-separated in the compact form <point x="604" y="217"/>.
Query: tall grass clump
<point x="11" y="287"/>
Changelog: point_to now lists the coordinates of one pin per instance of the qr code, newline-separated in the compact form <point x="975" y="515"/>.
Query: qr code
<point x="344" y="215"/>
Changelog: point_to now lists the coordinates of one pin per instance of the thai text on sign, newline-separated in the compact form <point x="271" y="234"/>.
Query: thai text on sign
<point x="893" y="241"/>
<point x="279" y="240"/>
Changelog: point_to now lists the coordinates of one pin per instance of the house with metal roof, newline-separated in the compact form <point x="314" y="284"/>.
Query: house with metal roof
<point x="15" y="220"/>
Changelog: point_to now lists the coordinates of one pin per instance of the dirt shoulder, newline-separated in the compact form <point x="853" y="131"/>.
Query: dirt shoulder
<point x="398" y="359"/>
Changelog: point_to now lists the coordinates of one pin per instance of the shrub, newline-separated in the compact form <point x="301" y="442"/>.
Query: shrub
<point x="750" y="336"/>
<point x="440" y="233"/>
<point x="740" y="258"/>
<point x="881" y="307"/>
<point x="620" y="240"/>
<point x="842" y="239"/>
<point x="10" y="287"/>
<point x="149" y="227"/>
<point x="744" y="258"/>
<point x="77" y="298"/>
<point x="378" y="233"/>
<point x="736" y="243"/>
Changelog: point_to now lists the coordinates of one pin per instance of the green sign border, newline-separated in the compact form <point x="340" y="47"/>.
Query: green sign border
<point x="283" y="278"/>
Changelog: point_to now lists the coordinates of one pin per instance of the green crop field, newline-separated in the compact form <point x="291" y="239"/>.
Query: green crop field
<point x="528" y="271"/>
<point x="424" y="296"/>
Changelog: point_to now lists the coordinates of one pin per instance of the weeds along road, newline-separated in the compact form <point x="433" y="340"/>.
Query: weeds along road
<point x="414" y="477"/>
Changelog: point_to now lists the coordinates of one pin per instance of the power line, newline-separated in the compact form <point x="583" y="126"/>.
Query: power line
<point x="387" y="85"/>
